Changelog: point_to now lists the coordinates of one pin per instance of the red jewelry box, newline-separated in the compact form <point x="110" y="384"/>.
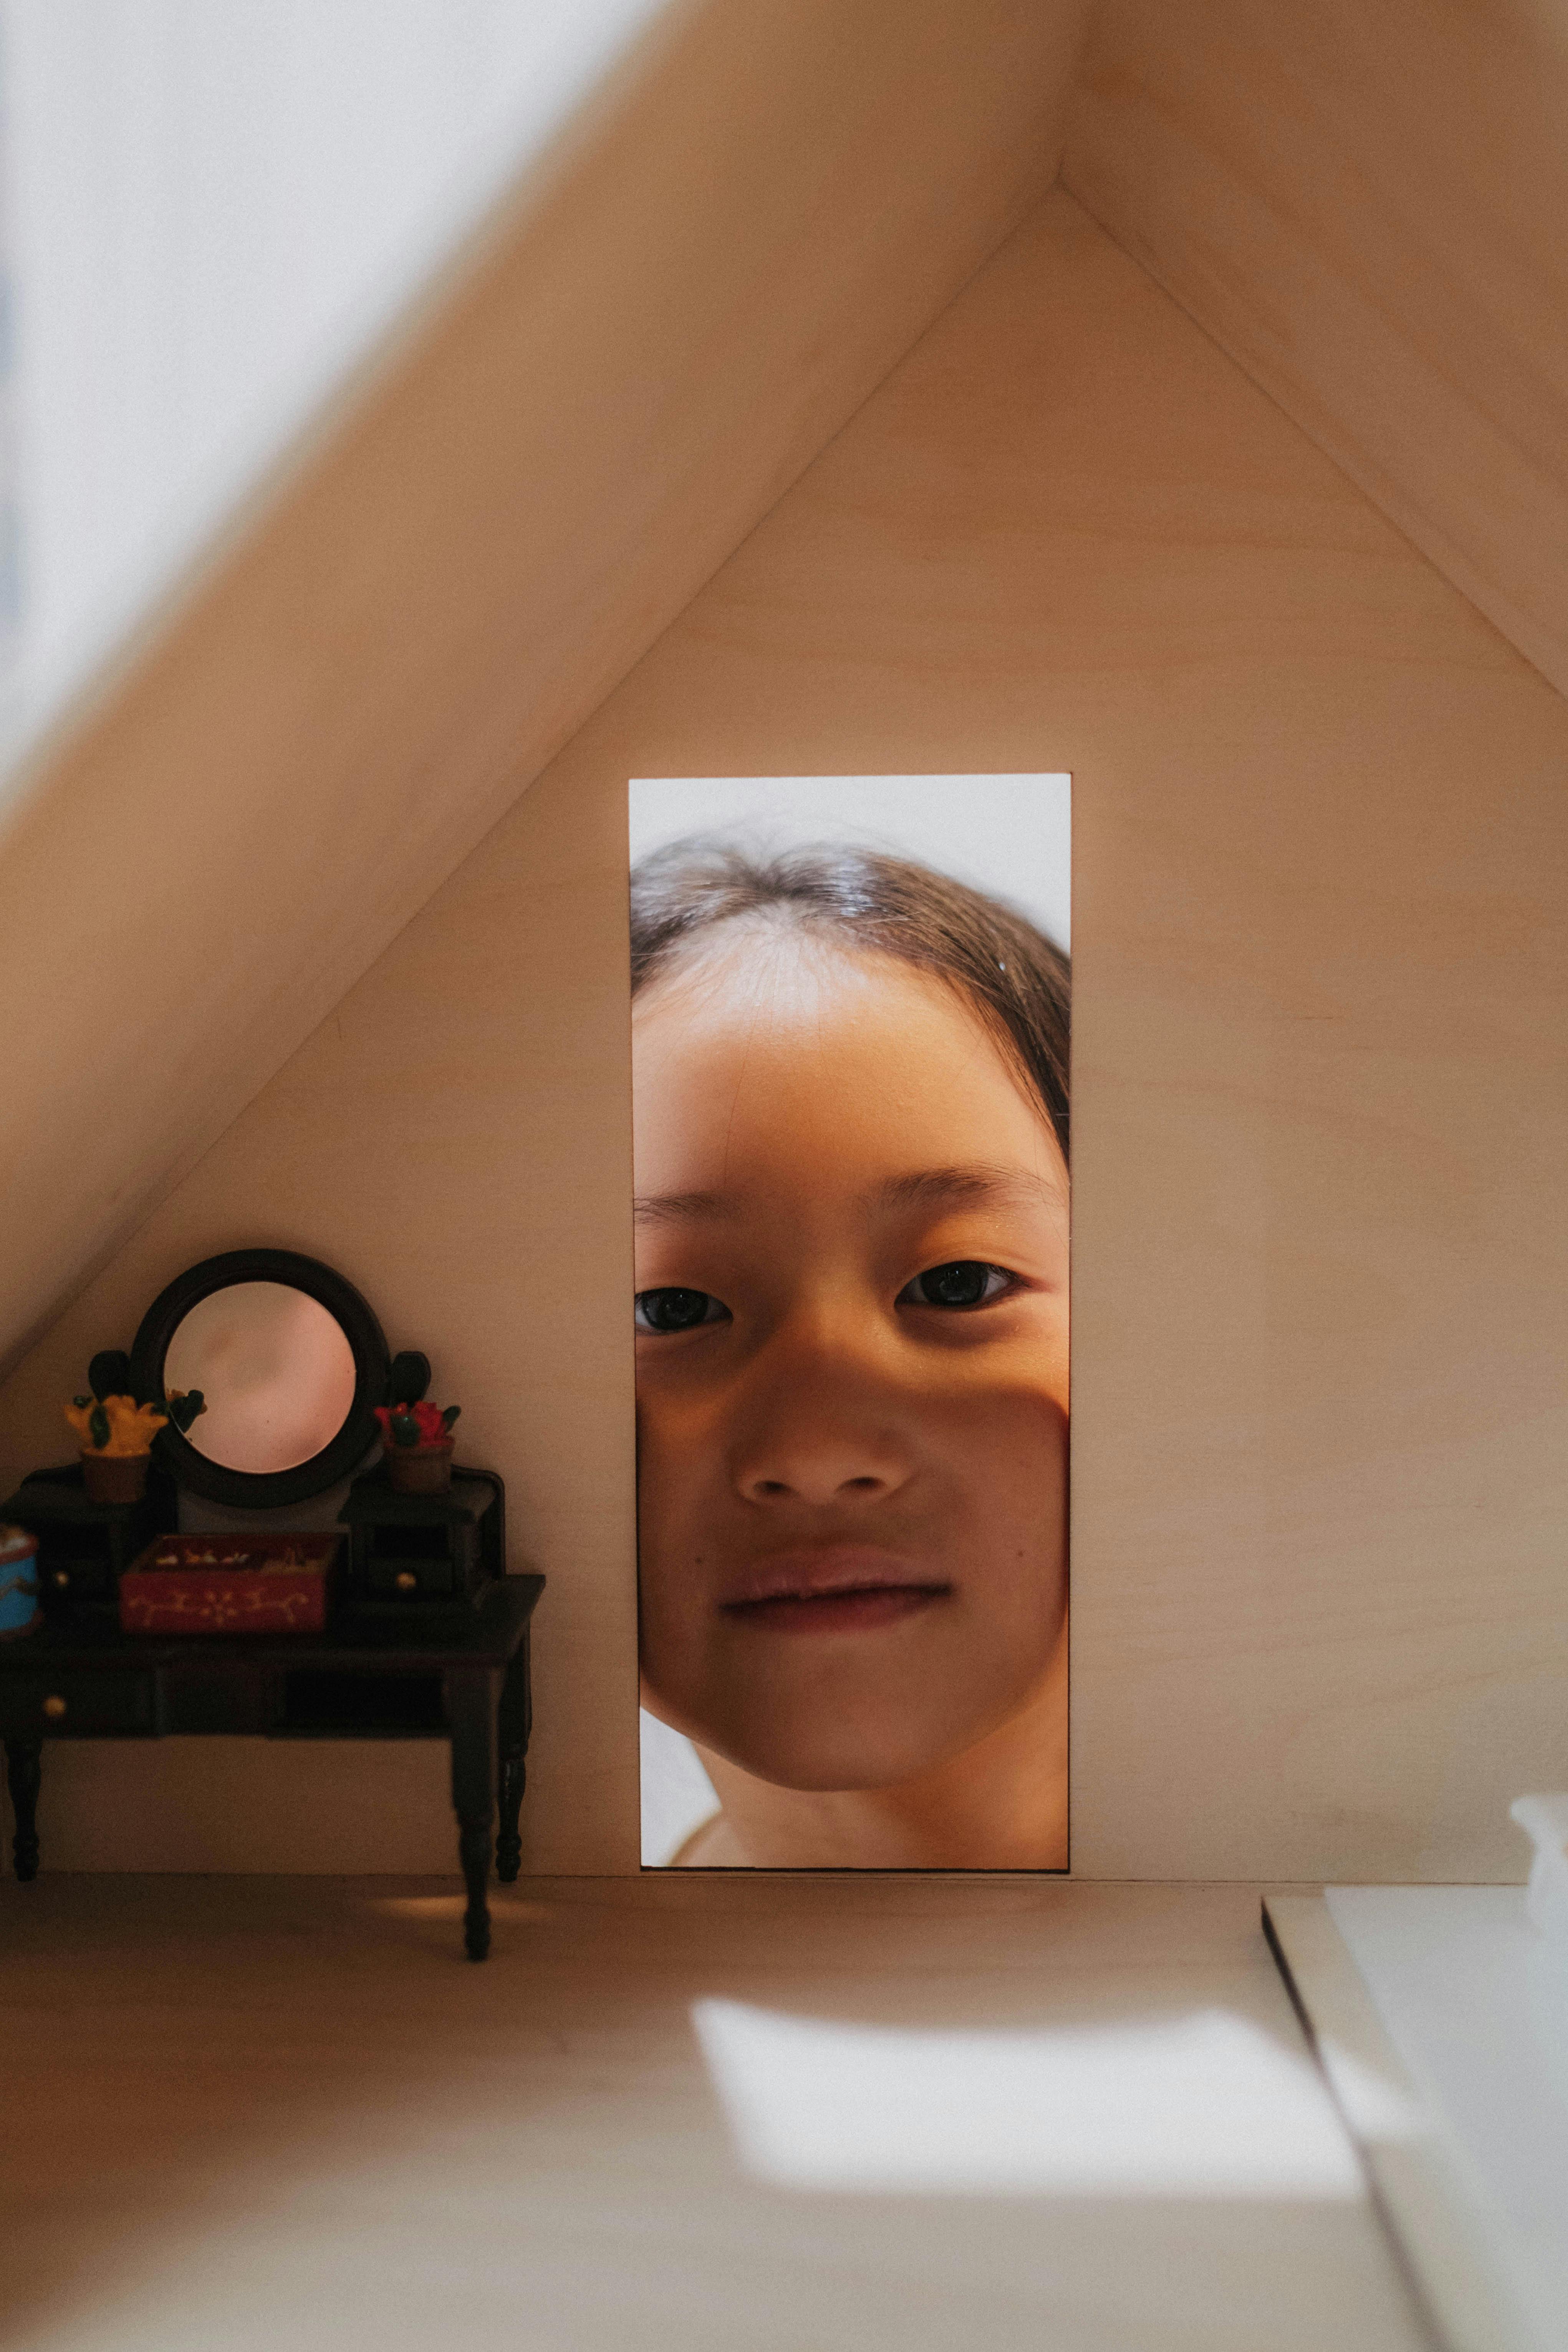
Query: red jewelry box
<point x="229" y="1584"/>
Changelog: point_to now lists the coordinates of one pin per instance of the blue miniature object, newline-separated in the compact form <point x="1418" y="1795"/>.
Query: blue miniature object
<point x="19" y="1610"/>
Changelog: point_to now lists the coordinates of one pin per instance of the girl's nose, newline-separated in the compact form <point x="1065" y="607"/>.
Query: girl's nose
<point x="820" y="1475"/>
<point x="817" y="1447"/>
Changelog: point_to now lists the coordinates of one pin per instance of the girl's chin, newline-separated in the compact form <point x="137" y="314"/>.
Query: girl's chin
<point x="827" y="1755"/>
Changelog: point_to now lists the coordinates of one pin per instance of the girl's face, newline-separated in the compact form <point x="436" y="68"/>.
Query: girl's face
<point x="852" y="1363"/>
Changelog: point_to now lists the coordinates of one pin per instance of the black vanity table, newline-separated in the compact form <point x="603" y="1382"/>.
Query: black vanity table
<point x="428" y="1636"/>
<point x="460" y="1674"/>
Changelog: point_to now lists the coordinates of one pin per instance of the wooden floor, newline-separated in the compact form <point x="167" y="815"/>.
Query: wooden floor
<point x="284" y="2112"/>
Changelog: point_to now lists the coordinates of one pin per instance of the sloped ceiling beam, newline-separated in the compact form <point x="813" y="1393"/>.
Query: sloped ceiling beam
<point x="1366" y="206"/>
<point x="654" y="336"/>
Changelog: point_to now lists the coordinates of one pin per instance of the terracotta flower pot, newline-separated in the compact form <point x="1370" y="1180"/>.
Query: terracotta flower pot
<point x="115" y="1477"/>
<point x="419" y="1469"/>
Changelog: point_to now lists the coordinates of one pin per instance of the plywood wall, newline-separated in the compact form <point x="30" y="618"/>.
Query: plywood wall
<point x="1321" y="832"/>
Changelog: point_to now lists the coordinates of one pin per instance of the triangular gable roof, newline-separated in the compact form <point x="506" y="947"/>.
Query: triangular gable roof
<point x="1366" y="207"/>
<point x="646" y="341"/>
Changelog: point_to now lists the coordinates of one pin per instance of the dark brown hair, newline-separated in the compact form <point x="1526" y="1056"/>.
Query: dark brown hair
<point x="1018" y="980"/>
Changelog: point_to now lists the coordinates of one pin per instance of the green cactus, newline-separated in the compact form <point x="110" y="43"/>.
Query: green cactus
<point x="409" y="1376"/>
<point x="109" y="1374"/>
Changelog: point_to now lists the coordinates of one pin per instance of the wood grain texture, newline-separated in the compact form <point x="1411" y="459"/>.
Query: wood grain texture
<point x="286" y="2113"/>
<point x="1365" y="207"/>
<point x="661" y="328"/>
<point x="1321" y="1030"/>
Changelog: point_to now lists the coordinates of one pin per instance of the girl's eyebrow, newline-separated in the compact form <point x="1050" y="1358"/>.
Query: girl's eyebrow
<point x="663" y="1208"/>
<point x="933" y="1187"/>
<point x="923" y="1188"/>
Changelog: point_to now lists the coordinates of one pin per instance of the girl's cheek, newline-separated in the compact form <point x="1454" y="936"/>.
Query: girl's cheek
<point x="680" y="1447"/>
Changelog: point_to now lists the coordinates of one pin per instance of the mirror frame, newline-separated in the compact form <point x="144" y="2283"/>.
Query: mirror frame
<point x="265" y="1489"/>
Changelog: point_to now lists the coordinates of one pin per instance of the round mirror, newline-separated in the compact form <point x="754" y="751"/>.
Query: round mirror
<point x="290" y="1363"/>
<point x="276" y="1370"/>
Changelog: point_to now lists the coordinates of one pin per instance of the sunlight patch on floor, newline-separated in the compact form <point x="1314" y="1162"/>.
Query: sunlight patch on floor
<point x="1204" y="2105"/>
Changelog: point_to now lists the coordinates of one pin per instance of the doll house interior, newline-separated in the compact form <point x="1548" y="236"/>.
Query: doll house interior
<point x="418" y="423"/>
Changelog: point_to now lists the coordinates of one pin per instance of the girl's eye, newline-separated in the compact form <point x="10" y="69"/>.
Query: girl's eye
<point x="679" y="1310"/>
<point x="966" y="1282"/>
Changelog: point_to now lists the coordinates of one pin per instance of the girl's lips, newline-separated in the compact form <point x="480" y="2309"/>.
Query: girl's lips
<point x="840" y="1588"/>
<point x="855" y="1609"/>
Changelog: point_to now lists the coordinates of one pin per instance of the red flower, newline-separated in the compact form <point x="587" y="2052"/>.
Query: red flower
<point x="408" y="1425"/>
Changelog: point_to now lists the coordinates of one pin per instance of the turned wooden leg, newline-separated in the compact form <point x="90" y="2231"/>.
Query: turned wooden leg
<point x="473" y="1695"/>
<point x="516" y="1721"/>
<point x="508" y="1843"/>
<point x="474" y="1851"/>
<point x="24" y="1774"/>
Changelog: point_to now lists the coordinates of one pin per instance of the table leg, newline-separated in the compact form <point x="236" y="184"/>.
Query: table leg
<point x="515" y="1725"/>
<point x="509" y="1844"/>
<point x="24" y="1775"/>
<point x="473" y="1695"/>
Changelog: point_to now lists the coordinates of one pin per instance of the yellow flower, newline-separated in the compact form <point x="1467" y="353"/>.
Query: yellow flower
<point x="132" y="1426"/>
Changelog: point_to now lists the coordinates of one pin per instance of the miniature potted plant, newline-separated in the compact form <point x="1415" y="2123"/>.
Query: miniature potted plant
<point x="115" y="1432"/>
<point x="417" y="1438"/>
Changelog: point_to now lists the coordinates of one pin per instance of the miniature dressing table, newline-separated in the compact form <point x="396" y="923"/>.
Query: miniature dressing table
<point x="427" y="1637"/>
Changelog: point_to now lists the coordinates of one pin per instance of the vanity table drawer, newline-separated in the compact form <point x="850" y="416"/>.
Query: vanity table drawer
<point x="78" y="1578"/>
<point x="76" y="1706"/>
<point x="399" y="1577"/>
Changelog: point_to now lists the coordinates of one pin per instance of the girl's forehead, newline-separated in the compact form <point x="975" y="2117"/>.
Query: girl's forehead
<point x="788" y="984"/>
<point x="779" y="1051"/>
<point x="764" y="955"/>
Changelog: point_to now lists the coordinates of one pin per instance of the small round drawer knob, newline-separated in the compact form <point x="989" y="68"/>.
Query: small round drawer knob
<point x="54" y="1707"/>
<point x="62" y="1577"/>
<point x="407" y="1580"/>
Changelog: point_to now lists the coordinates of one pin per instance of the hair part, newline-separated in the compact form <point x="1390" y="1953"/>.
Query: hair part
<point x="1018" y="981"/>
